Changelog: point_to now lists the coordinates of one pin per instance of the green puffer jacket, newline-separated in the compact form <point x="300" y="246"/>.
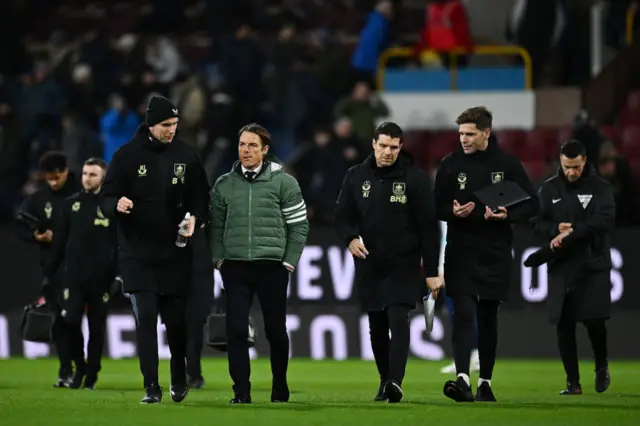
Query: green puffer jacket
<point x="262" y="220"/>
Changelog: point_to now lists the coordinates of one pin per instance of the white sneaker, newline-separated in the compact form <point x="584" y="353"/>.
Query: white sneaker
<point x="475" y="361"/>
<point x="449" y="369"/>
<point x="474" y="365"/>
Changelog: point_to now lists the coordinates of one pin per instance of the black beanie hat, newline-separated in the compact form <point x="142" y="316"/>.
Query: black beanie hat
<point x="160" y="109"/>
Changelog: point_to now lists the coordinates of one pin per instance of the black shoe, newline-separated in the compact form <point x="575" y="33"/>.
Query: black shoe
<point x="179" y="392"/>
<point x="90" y="381"/>
<point x="572" y="389"/>
<point x="393" y="391"/>
<point x="459" y="390"/>
<point x="484" y="393"/>
<point x="603" y="379"/>
<point x="196" y="382"/>
<point x="63" y="382"/>
<point x="153" y="394"/>
<point x="240" y="400"/>
<point x="380" y="395"/>
<point x="280" y="392"/>
<point x="78" y="377"/>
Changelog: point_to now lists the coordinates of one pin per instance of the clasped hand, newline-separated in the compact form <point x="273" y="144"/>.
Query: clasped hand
<point x="565" y="229"/>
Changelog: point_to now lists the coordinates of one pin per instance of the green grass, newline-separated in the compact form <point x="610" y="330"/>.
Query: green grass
<point x="323" y="393"/>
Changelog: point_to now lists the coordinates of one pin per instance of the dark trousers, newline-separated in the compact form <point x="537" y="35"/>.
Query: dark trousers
<point x="60" y="331"/>
<point x="172" y="310"/>
<point x="566" y="331"/>
<point x="466" y="309"/>
<point x="96" y="304"/>
<point x="61" y="342"/>
<point x="195" y="341"/>
<point x="269" y="281"/>
<point x="391" y="354"/>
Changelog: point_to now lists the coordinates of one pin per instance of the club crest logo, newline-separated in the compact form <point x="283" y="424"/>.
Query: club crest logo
<point x="179" y="169"/>
<point x="462" y="180"/>
<point x="497" y="177"/>
<point x="399" y="189"/>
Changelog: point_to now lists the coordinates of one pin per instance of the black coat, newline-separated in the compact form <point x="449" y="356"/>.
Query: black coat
<point x="164" y="181"/>
<point x="392" y="210"/>
<point x="45" y="205"/>
<point x="478" y="258"/>
<point x="85" y="245"/>
<point x="579" y="273"/>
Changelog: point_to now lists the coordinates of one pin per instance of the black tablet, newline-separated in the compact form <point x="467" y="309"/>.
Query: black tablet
<point x="502" y="194"/>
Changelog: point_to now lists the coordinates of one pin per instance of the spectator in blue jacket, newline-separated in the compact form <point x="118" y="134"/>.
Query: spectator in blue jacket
<point x="117" y="126"/>
<point x="374" y="38"/>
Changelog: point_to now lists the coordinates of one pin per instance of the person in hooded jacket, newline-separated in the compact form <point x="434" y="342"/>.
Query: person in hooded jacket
<point x="577" y="213"/>
<point x="151" y="183"/>
<point x="478" y="258"/>
<point x="385" y="215"/>
<point x="39" y="219"/>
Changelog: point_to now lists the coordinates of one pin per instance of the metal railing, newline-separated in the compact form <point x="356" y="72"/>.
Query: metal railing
<point x="488" y="50"/>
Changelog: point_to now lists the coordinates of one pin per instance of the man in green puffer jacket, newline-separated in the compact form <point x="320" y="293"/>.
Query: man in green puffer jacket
<point x="257" y="230"/>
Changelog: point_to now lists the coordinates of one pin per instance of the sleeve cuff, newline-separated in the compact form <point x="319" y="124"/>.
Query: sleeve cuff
<point x="289" y="266"/>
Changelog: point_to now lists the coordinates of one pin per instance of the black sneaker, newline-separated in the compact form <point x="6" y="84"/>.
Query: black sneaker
<point x="459" y="390"/>
<point x="573" y="388"/>
<point x="196" y="382"/>
<point x="280" y="392"/>
<point x="78" y="376"/>
<point x="153" y="394"/>
<point x="393" y="391"/>
<point x="484" y="393"/>
<point x="240" y="400"/>
<point x="380" y="395"/>
<point x="179" y="392"/>
<point x="90" y="381"/>
<point x="603" y="379"/>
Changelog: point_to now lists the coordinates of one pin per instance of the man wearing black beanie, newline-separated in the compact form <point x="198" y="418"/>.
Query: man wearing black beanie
<point x="156" y="189"/>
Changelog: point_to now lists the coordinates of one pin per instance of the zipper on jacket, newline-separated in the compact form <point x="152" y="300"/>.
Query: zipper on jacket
<point x="250" y="197"/>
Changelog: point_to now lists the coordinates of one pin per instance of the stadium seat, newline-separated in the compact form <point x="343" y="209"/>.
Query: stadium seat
<point x="630" y="142"/>
<point x="441" y="144"/>
<point x="534" y="169"/>
<point x="513" y="141"/>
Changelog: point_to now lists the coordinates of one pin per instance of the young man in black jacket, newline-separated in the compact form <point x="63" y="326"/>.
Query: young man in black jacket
<point x="85" y="243"/>
<point x="38" y="216"/>
<point x="151" y="183"/>
<point x="386" y="216"/>
<point x="478" y="260"/>
<point x="577" y="212"/>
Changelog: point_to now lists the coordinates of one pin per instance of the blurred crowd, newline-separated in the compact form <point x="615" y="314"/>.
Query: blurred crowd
<point x="81" y="72"/>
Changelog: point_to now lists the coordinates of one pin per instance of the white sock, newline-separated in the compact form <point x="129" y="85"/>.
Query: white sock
<point x="466" y="378"/>
<point x="481" y="381"/>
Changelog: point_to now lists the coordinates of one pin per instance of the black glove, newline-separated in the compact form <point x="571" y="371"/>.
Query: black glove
<point x="539" y="257"/>
<point x="116" y="286"/>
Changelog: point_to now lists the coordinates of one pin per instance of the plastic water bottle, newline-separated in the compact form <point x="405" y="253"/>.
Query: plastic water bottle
<point x="181" y="240"/>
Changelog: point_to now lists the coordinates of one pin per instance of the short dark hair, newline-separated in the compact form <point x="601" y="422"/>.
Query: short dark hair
<point x="573" y="148"/>
<point x="263" y="133"/>
<point x="478" y="115"/>
<point x="388" y="128"/>
<point x="95" y="161"/>
<point x="53" y="161"/>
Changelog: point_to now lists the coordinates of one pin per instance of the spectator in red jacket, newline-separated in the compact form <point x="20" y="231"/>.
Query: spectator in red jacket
<point x="446" y="29"/>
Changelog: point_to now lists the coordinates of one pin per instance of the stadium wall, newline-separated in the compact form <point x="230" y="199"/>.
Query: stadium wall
<point x="324" y="320"/>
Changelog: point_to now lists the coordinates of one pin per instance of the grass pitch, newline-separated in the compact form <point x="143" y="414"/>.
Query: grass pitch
<point x="323" y="393"/>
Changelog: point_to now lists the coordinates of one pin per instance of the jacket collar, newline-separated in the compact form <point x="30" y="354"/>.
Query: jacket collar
<point x="399" y="168"/>
<point x="588" y="172"/>
<point x="492" y="148"/>
<point x="144" y="136"/>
